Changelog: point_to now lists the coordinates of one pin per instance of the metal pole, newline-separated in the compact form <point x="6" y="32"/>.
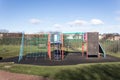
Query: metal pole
<point x="62" y="46"/>
<point x="21" y="48"/>
<point x="49" y="47"/>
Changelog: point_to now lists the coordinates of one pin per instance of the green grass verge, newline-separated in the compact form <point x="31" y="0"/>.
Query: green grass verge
<point x="95" y="71"/>
<point x="115" y="54"/>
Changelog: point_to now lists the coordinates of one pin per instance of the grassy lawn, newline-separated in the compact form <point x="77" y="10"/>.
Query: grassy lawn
<point x="94" y="71"/>
<point x="115" y="54"/>
<point x="7" y="51"/>
<point x="111" y="47"/>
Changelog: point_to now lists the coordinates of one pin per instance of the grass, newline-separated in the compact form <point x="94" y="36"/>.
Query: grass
<point x="111" y="47"/>
<point x="7" y="51"/>
<point x="94" y="71"/>
<point x="115" y="54"/>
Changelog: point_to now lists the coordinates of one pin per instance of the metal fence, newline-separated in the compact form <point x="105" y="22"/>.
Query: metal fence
<point x="111" y="46"/>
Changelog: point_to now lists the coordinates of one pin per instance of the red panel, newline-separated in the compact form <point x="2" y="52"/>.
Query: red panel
<point x="49" y="47"/>
<point x="62" y="46"/>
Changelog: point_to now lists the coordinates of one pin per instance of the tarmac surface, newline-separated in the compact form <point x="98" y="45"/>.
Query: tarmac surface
<point x="70" y="59"/>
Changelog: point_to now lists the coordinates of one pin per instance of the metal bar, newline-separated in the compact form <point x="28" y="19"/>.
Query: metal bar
<point x="82" y="49"/>
<point x="104" y="54"/>
<point x="49" y="47"/>
<point x="74" y="33"/>
<point x="62" y="46"/>
<point x="21" y="48"/>
<point x="87" y="46"/>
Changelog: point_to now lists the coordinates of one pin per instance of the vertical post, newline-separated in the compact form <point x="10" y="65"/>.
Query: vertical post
<point x="86" y="39"/>
<point x="21" y="48"/>
<point x="82" y="44"/>
<point x="62" y="46"/>
<point x="82" y="49"/>
<point x="49" y="47"/>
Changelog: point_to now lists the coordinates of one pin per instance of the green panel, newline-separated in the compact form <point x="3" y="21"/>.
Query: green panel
<point x="37" y="46"/>
<point x="74" y="33"/>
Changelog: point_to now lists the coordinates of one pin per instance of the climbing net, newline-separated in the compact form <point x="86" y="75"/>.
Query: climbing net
<point x="34" y="46"/>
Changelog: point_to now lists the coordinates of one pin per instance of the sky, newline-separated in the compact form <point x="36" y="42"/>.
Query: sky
<point x="32" y="16"/>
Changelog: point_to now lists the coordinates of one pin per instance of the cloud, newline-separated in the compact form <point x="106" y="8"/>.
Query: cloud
<point x="83" y="22"/>
<point x="118" y="18"/>
<point x="34" y="21"/>
<point x="96" y="22"/>
<point x="57" y="25"/>
<point x="117" y="12"/>
<point x="77" y="22"/>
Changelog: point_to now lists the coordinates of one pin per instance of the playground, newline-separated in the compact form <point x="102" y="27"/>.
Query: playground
<point x="57" y="56"/>
<point x="54" y="48"/>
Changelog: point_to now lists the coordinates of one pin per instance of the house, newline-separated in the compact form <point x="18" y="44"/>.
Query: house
<point x="101" y="36"/>
<point x="10" y="35"/>
<point x="110" y="37"/>
<point x="1" y="35"/>
<point x="114" y="38"/>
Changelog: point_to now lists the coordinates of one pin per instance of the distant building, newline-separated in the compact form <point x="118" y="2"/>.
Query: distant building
<point x="110" y="37"/>
<point x="114" y="38"/>
<point x="117" y="37"/>
<point x="10" y="35"/>
<point x="101" y="36"/>
<point x="1" y="35"/>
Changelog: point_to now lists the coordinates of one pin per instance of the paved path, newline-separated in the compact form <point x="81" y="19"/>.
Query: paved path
<point x="4" y="75"/>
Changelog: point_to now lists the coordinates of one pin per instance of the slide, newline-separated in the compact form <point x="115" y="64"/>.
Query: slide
<point x="101" y="50"/>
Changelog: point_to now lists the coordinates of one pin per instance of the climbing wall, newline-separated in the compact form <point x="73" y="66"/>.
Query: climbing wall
<point x="92" y="43"/>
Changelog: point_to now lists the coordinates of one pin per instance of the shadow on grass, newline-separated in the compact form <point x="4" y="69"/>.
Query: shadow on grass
<point x="93" y="72"/>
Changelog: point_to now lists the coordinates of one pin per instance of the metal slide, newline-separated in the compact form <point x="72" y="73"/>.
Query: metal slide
<point x="101" y="50"/>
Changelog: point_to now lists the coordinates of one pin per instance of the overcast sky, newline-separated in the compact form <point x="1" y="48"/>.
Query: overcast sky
<point x="32" y="16"/>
